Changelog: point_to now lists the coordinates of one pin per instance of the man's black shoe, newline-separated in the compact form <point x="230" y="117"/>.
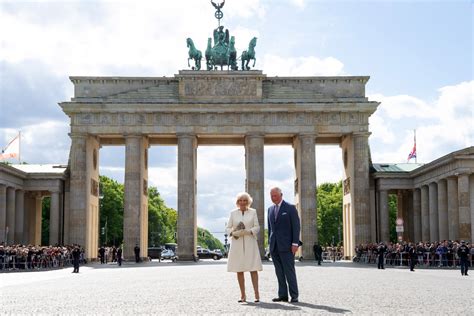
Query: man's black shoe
<point x="294" y="300"/>
<point x="280" y="299"/>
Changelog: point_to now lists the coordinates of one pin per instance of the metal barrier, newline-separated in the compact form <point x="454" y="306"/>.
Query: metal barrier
<point x="14" y="263"/>
<point x="428" y="260"/>
<point x="331" y="256"/>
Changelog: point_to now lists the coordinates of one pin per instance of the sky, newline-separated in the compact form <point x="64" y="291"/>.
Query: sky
<point x="418" y="54"/>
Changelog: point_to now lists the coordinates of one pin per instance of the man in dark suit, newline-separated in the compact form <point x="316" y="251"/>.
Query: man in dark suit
<point x="318" y="253"/>
<point x="136" y="250"/>
<point x="283" y="237"/>
<point x="76" y="254"/>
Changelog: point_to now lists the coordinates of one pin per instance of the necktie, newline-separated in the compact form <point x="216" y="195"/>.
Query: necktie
<point x="276" y="211"/>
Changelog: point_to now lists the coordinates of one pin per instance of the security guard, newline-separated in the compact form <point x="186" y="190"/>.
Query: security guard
<point x="463" y="253"/>
<point x="413" y="256"/>
<point x="136" y="250"/>
<point x="381" y="249"/>
<point x="76" y="254"/>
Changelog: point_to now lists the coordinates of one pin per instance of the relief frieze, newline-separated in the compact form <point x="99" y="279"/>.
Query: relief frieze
<point x="220" y="88"/>
<point x="220" y="119"/>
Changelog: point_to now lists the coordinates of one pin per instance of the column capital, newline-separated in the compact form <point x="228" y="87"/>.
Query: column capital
<point x="307" y="135"/>
<point x="185" y="135"/>
<point x="361" y="134"/>
<point x="78" y="135"/>
<point x="254" y="134"/>
<point x="132" y="135"/>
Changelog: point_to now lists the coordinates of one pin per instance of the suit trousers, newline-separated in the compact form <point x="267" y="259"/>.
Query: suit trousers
<point x="284" y="263"/>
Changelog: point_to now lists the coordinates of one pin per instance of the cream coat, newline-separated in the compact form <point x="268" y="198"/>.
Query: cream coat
<point x="244" y="254"/>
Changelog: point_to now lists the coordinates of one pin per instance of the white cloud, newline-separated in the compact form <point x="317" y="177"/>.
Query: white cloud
<point x="299" y="3"/>
<point x="43" y="143"/>
<point x="302" y="66"/>
<point x="442" y="126"/>
<point x="122" y="37"/>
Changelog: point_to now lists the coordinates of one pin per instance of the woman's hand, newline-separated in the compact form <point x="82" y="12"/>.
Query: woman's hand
<point x="247" y="232"/>
<point x="237" y="233"/>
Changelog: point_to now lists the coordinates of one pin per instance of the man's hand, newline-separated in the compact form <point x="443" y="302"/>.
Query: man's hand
<point x="294" y="249"/>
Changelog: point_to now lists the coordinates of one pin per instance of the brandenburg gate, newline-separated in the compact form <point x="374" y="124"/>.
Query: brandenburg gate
<point x="194" y="108"/>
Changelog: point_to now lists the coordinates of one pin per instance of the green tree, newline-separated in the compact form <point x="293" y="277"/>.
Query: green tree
<point x="207" y="240"/>
<point x="45" y="207"/>
<point x="329" y="197"/>
<point x="392" y="205"/>
<point x="162" y="220"/>
<point x="111" y="211"/>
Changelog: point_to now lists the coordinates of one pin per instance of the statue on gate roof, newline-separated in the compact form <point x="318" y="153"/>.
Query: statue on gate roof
<point x="223" y="52"/>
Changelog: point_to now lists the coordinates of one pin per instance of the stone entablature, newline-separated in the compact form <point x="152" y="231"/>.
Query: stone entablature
<point x="220" y="87"/>
<point x="38" y="181"/>
<point x="220" y="103"/>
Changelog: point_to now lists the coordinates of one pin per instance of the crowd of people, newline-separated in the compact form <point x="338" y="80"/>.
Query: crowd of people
<point x="29" y="257"/>
<point x="429" y="254"/>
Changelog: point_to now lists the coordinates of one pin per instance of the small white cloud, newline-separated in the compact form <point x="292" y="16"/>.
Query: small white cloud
<point x="299" y="3"/>
<point x="302" y="66"/>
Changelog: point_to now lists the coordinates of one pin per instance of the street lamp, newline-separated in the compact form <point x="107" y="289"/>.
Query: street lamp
<point x="225" y="243"/>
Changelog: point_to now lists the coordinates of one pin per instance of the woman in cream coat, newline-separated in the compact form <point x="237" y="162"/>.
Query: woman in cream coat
<point x="244" y="255"/>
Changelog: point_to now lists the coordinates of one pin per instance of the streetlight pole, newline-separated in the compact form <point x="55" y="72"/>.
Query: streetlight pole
<point x="106" y="231"/>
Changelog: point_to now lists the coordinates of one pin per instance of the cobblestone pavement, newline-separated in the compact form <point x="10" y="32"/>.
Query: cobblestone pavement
<point x="206" y="288"/>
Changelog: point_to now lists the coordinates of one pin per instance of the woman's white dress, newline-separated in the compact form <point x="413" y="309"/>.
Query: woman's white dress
<point x="244" y="254"/>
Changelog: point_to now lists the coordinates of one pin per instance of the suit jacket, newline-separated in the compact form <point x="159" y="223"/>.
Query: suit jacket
<point x="285" y="231"/>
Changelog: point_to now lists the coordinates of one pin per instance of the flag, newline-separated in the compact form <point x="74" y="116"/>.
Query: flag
<point x="412" y="153"/>
<point x="12" y="150"/>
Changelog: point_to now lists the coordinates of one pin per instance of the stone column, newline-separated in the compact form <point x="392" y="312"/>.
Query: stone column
<point x="453" y="210"/>
<point x="384" y="216"/>
<point x="305" y="154"/>
<point x="84" y="194"/>
<point x="3" y="211"/>
<point x="54" y="219"/>
<point x="66" y="213"/>
<point x="416" y="215"/>
<point x="425" y="214"/>
<point x="434" y="222"/>
<point x="20" y="216"/>
<point x="135" y="220"/>
<point x="187" y="219"/>
<point x="79" y="194"/>
<point x="464" y="207"/>
<point x="254" y="166"/>
<point x="361" y="189"/>
<point x="11" y="215"/>
<point x="408" y="215"/>
<point x="471" y="194"/>
<point x="443" y="210"/>
<point x="35" y="232"/>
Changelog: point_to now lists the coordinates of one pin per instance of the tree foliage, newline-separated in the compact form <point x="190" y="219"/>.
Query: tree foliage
<point x="329" y="197"/>
<point x="207" y="240"/>
<point x="162" y="220"/>
<point x="45" y="207"/>
<point x="392" y="206"/>
<point x="111" y="211"/>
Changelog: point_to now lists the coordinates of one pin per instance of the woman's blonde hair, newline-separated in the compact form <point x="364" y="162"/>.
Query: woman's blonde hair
<point x="243" y="195"/>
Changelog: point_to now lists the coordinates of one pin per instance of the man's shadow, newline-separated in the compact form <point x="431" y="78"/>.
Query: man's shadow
<point x="298" y="306"/>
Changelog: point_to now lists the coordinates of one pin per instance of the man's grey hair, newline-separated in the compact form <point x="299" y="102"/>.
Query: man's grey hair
<point x="276" y="189"/>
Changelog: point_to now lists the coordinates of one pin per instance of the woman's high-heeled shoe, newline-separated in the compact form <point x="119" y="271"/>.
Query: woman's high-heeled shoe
<point x="242" y="300"/>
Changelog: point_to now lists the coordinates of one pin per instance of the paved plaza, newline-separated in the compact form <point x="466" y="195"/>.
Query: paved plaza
<point x="206" y="288"/>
